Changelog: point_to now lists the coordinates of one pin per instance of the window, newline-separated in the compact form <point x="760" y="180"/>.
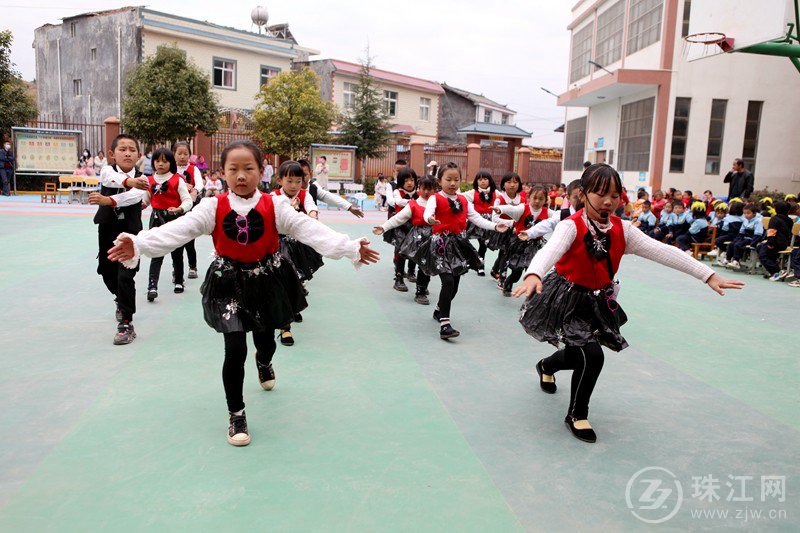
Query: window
<point x="487" y="116"/>
<point x="581" y="54"/>
<point x="680" y="129"/>
<point x="751" y="128"/>
<point x="715" y="130"/>
<point x="77" y="87"/>
<point x="575" y="144"/>
<point x="425" y="109"/>
<point x="93" y="54"/>
<point x="390" y="101"/>
<point x="72" y="28"/>
<point x="635" y="129"/>
<point x="609" y="34"/>
<point x="644" y="26"/>
<point x="687" y="10"/>
<point x="503" y="119"/>
<point x="225" y="73"/>
<point x="267" y="73"/>
<point x="349" y="94"/>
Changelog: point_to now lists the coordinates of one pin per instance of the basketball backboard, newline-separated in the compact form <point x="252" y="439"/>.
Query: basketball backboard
<point x="744" y="22"/>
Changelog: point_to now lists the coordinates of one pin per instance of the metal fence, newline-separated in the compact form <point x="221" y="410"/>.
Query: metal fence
<point x="384" y="162"/>
<point x="92" y="135"/>
<point x="497" y="161"/>
<point x="448" y="153"/>
<point x="545" y="171"/>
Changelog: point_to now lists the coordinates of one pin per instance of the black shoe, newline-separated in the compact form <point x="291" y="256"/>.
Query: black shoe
<point x="481" y="273"/>
<point x="412" y="277"/>
<point x="506" y="293"/>
<point x="399" y="285"/>
<point x="436" y="315"/>
<point x="298" y="317"/>
<point x="178" y="288"/>
<point x="548" y="387"/>
<point x="421" y="299"/>
<point x="494" y="273"/>
<point x="125" y="333"/>
<point x="586" y="435"/>
<point x="266" y="376"/>
<point x="447" y="332"/>
<point x="152" y="294"/>
<point x="286" y="338"/>
<point x="237" y="430"/>
<point x="192" y="273"/>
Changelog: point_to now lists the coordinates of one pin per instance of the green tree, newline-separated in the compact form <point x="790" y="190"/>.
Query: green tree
<point x="364" y="124"/>
<point x="167" y="98"/>
<point x="290" y="115"/>
<point x="18" y="106"/>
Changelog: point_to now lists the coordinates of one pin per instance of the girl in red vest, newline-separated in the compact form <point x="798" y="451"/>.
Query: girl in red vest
<point x="521" y="249"/>
<point x="420" y="232"/>
<point x="305" y="260"/>
<point x="577" y="302"/>
<point x="248" y="287"/>
<point x="510" y="185"/>
<point x="405" y="192"/>
<point x="482" y="197"/>
<point x="169" y="197"/>
<point x="194" y="181"/>
<point x="447" y="253"/>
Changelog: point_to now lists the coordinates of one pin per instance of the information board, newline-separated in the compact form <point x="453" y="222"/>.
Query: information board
<point x="43" y="150"/>
<point x="340" y="160"/>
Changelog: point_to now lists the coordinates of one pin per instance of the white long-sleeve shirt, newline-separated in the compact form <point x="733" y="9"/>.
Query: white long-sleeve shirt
<point x="201" y="220"/>
<point x="508" y="201"/>
<point x="395" y="200"/>
<point x="516" y="211"/>
<point x="115" y="178"/>
<point x="472" y="215"/>
<point x="309" y="204"/>
<point x="402" y="216"/>
<point x="134" y="196"/>
<point x="636" y="242"/>
<point x="330" y="198"/>
<point x="197" y="178"/>
<point x="383" y="188"/>
<point x="471" y="194"/>
<point x="548" y="226"/>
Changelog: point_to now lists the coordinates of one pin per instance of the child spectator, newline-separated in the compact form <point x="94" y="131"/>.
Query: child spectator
<point x="665" y="222"/>
<point x="709" y="200"/>
<point x="750" y="234"/>
<point x="646" y="221"/>
<point x="791" y="199"/>
<point x="767" y="210"/>
<point x="681" y="224"/>
<point x="641" y="197"/>
<point x="698" y="230"/>
<point x="779" y="234"/>
<point x="728" y="231"/>
<point x="382" y="190"/>
<point x="687" y="198"/>
<point x="657" y="203"/>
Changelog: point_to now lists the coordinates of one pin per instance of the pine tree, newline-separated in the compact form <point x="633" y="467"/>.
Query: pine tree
<point x="18" y="106"/>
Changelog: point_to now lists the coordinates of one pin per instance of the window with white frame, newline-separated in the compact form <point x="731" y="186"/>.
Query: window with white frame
<point x="267" y="73"/>
<point x="574" y="143"/>
<point x="635" y="131"/>
<point x="644" y="24"/>
<point x="581" y="53"/>
<point x="504" y="118"/>
<point x="390" y="103"/>
<point x="77" y="87"/>
<point x="425" y="109"/>
<point x="610" y="24"/>
<point x="487" y="116"/>
<point x="349" y="94"/>
<point x="224" y="73"/>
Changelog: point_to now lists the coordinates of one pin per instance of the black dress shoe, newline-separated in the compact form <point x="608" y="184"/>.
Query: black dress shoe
<point x="586" y="435"/>
<point x="548" y="387"/>
<point x="399" y="285"/>
<point x="447" y="332"/>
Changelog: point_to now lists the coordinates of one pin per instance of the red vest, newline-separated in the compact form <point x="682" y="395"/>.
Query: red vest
<point x="523" y="197"/>
<point x="581" y="268"/>
<point x="301" y="197"/>
<point x="190" y="172"/>
<point x="519" y="225"/>
<point x="165" y="200"/>
<point x="502" y="201"/>
<point x="250" y="252"/>
<point x="450" y="222"/>
<point x="417" y="213"/>
<point x="482" y="207"/>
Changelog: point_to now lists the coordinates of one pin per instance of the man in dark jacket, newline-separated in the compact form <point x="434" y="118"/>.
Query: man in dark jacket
<point x="741" y="181"/>
<point x="6" y="167"/>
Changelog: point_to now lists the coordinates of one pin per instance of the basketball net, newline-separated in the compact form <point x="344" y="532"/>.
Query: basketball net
<point x="700" y="45"/>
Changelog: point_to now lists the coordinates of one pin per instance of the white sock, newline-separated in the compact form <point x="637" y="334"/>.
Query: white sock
<point x="238" y="413"/>
<point x="444" y="321"/>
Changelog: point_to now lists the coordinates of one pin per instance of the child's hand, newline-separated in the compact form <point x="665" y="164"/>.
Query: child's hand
<point x="432" y="221"/>
<point x="314" y="215"/>
<point x="122" y="251"/>
<point x="377" y="230"/>
<point x="669" y="235"/>
<point x="174" y="210"/>
<point x="495" y="209"/>
<point x="717" y="284"/>
<point x="523" y="236"/>
<point x="500" y="228"/>
<point x="137" y="183"/>
<point x="95" y="198"/>
<point x="529" y="284"/>
<point x="356" y="211"/>
<point x="368" y="255"/>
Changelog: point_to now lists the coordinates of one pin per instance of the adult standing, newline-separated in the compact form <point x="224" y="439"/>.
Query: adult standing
<point x="6" y="167"/>
<point x="321" y="172"/>
<point x="266" y="178"/>
<point x="99" y="162"/>
<point x="147" y="163"/>
<point x="741" y="181"/>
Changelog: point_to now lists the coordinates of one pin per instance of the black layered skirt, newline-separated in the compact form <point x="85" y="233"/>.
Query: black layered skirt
<point x="475" y="232"/>
<point x="573" y="315"/>
<point x="414" y="240"/>
<point x="519" y="253"/>
<point x="159" y="217"/>
<point x="260" y="296"/>
<point x="446" y="253"/>
<point x="500" y="241"/>
<point x="303" y="258"/>
<point x="397" y="235"/>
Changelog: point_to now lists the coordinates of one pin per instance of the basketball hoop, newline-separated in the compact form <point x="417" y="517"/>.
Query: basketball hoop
<point x="712" y="42"/>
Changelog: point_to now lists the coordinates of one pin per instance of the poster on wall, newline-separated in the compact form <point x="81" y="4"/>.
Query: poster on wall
<point x="339" y="160"/>
<point x="40" y="151"/>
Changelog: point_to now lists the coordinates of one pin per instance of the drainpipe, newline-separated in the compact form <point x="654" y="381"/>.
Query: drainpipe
<point x="60" y="90"/>
<point x="119" y="72"/>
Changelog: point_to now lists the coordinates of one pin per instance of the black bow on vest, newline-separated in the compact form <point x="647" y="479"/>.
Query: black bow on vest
<point x="486" y="197"/>
<point x="243" y="229"/>
<point x="599" y="245"/>
<point x="528" y="222"/>
<point x="155" y="188"/>
<point x="455" y="205"/>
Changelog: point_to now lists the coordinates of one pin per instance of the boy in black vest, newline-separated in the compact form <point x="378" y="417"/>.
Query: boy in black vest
<point x="111" y="221"/>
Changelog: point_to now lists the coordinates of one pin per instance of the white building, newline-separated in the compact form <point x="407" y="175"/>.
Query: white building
<point x="663" y="121"/>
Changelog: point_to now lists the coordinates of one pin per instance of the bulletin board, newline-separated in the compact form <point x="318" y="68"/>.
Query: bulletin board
<point x="45" y="151"/>
<point x="340" y="159"/>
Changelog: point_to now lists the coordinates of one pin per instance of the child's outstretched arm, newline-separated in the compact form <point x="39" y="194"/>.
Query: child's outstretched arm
<point x="500" y="225"/>
<point x="336" y="200"/>
<point x="400" y="218"/>
<point x="546" y="258"/>
<point x="319" y="236"/>
<point x="640" y="244"/>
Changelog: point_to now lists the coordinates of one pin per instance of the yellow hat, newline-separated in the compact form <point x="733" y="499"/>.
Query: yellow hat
<point x="697" y="205"/>
<point x="720" y="205"/>
<point x="790" y="196"/>
<point x="766" y="199"/>
<point x="737" y="199"/>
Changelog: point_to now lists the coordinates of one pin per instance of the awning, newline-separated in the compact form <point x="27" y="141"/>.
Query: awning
<point x="403" y="129"/>
<point x="622" y="82"/>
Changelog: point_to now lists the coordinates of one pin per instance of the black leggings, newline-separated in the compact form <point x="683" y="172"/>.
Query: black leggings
<point x="400" y="264"/>
<point x="191" y="254"/>
<point x="586" y="362"/>
<point x="446" y="295"/>
<point x="482" y="249"/>
<point x="512" y="278"/>
<point x="499" y="266"/>
<point x="119" y="280"/>
<point x="233" y="367"/>
<point x="177" y="268"/>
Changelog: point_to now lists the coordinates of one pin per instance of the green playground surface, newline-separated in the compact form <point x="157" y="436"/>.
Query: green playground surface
<point x="375" y="423"/>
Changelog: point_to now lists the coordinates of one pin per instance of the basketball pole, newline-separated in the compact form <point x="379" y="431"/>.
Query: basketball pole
<point x="789" y="46"/>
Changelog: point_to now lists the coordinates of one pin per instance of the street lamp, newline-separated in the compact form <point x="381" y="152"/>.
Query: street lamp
<point x="549" y="92"/>
<point x="598" y="65"/>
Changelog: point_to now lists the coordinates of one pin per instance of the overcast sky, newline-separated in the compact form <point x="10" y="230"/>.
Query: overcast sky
<point x="504" y="50"/>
